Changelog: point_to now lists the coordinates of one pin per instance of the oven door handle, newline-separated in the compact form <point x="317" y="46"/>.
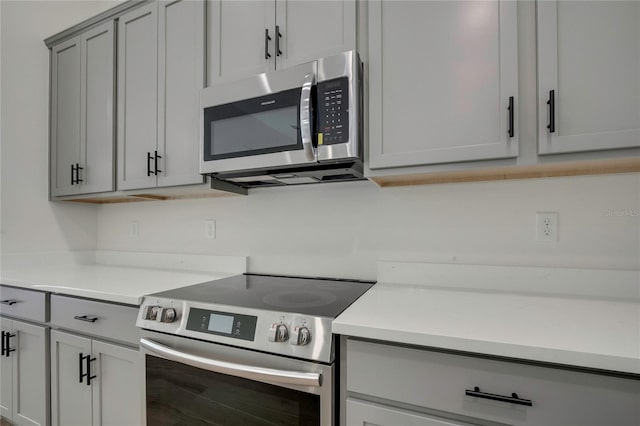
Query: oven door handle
<point x="284" y="377"/>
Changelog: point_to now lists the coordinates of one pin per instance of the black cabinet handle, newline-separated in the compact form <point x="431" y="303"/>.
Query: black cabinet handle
<point x="78" y="168"/>
<point x="2" y="353"/>
<point x="155" y="162"/>
<point x="9" y="302"/>
<point x="511" y="130"/>
<point x="86" y="318"/>
<point x="278" y="35"/>
<point x="513" y="399"/>
<point x="267" y="39"/>
<point x="73" y="173"/>
<point x="89" y="376"/>
<point x="149" y="158"/>
<point x="552" y="111"/>
<point x="80" y="373"/>
<point x="7" y="343"/>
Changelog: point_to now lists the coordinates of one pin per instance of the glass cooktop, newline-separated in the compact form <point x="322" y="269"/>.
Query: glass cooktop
<point x="309" y="296"/>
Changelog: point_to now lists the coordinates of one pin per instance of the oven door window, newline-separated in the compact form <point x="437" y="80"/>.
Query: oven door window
<point x="179" y="394"/>
<point x="254" y="126"/>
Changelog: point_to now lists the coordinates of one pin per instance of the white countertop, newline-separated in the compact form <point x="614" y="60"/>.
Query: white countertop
<point x="561" y="326"/>
<point x="114" y="276"/>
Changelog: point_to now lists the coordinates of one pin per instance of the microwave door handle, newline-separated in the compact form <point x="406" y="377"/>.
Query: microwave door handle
<point x="232" y="369"/>
<point x="306" y="131"/>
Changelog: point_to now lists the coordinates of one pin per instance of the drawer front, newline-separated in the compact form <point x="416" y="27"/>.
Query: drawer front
<point x="106" y="320"/>
<point x="21" y="303"/>
<point x="439" y="381"/>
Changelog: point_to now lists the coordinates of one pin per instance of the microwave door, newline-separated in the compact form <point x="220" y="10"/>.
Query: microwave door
<point x="271" y="129"/>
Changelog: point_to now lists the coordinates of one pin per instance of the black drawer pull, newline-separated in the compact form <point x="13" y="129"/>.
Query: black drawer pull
<point x="2" y="353"/>
<point x="86" y="318"/>
<point x="513" y="399"/>
<point x="9" y="302"/>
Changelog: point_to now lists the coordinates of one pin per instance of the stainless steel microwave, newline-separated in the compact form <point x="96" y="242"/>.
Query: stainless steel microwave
<point x="297" y="125"/>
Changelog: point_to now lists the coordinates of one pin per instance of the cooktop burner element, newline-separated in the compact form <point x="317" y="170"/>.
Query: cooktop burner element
<point x="292" y="299"/>
<point x="278" y="314"/>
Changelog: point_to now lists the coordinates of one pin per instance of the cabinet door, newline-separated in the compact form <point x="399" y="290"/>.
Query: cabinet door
<point x="137" y="96"/>
<point x="181" y="77"/>
<point x="589" y="55"/>
<point x="6" y="372"/>
<point x="70" y="395"/>
<point x="441" y="74"/>
<point x="236" y="39"/>
<point x="97" y="108"/>
<point x="314" y="29"/>
<point x="361" y="413"/>
<point x="30" y="374"/>
<point x="65" y="116"/>
<point x="117" y="390"/>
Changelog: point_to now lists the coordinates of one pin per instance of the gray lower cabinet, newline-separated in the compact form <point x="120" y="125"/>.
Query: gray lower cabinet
<point x="363" y="413"/>
<point x="93" y="382"/>
<point x="95" y="366"/>
<point x="395" y="385"/>
<point x="82" y="113"/>
<point x="24" y="395"/>
<point x="160" y="75"/>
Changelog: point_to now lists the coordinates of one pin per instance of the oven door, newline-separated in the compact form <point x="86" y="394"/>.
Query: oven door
<point x="188" y="381"/>
<point x="259" y="123"/>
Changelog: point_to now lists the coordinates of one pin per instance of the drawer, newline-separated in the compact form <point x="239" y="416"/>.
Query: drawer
<point x="21" y="303"/>
<point x="438" y="381"/>
<point x="114" y="322"/>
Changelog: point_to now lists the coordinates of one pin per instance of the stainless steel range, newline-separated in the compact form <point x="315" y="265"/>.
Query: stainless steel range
<point x="245" y="350"/>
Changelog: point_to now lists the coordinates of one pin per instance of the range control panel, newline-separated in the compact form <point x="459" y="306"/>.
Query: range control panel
<point x="333" y="111"/>
<point x="294" y="335"/>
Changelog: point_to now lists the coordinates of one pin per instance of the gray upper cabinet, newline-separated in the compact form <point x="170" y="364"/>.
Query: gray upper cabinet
<point x="251" y="37"/>
<point x="314" y="29"/>
<point x="160" y="74"/>
<point x="65" y="116"/>
<point x="82" y="105"/>
<point x="138" y="97"/>
<point x="443" y="82"/>
<point x="180" y="77"/>
<point x="589" y="56"/>
<point x="237" y="41"/>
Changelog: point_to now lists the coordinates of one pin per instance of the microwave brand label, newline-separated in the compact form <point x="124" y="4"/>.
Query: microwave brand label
<point x="271" y="102"/>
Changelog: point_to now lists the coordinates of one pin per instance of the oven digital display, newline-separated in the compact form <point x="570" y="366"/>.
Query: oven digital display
<point x="227" y="324"/>
<point x="221" y="323"/>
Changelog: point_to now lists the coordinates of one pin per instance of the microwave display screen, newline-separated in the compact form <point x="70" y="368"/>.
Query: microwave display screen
<point x="261" y="125"/>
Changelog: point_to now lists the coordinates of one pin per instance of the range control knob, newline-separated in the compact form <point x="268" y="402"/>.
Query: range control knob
<point x="301" y="336"/>
<point x="278" y="333"/>
<point x="168" y="315"/>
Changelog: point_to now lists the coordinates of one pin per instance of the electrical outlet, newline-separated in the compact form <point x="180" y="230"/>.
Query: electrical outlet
<point x="547" y="226"/>
<point x="210" y="228"/>
<point x="133" y="229"/>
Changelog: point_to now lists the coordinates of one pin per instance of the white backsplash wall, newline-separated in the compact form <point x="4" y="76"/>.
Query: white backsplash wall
<point x="29" y="222"/>
<point x="342" y="229"/>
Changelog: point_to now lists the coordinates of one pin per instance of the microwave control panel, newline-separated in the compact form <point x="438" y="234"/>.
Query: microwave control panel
<point x="333" y="111"/>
